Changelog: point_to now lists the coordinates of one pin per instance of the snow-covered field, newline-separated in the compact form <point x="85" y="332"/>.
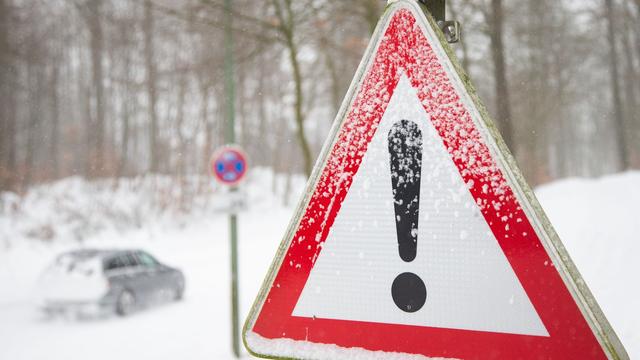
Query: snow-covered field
<point x="597" y="219"/>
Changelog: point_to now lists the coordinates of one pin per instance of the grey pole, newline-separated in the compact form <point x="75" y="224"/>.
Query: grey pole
<point x="230" y="138"/>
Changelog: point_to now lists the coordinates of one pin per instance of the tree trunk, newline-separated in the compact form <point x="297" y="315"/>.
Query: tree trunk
<point x="55" y="119"/>
<point x="126" y="99"/>
<point x="34" y="81"/>
<point x="97" y="45"/>
<point x="181" y="142"/>
<point x="637" y="23"/>
<point x="262" y="113"/>
<point x="330" y="64"/>
<point x="84" y="101"/>
<point x="371" y="13"/>
<point x="7" y="135"/>
<point x="9" y="142"/>
<point x="287" y="28"/>
<point x="299" y="116"/>
<point x="204" y="119"/>
<point x="503" y="105"/>
<point x="151" y="85"/>
<point x="463" y="44"/>
<point x="618" y="124"/>
<point x="630" y="99"/>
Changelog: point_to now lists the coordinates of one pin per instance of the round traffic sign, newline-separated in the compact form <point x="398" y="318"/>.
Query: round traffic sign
<point x="229" y="165"/>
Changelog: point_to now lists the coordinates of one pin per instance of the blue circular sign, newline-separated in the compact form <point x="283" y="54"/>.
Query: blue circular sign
<point x="229" y="165"/>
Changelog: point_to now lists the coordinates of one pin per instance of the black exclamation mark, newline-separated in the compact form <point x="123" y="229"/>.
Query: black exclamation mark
<point x="405" y="148"/>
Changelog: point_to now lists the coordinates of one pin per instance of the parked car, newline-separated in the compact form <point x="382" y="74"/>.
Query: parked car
<point x="92" y="282"/>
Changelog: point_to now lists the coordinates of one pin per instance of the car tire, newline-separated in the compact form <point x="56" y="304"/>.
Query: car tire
<point x="125" y="303"/>
<point x="178" y="293"/>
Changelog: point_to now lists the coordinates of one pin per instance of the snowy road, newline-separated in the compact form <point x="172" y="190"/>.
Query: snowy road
<point x="196" y="328"/>
<point x="596" y="219"/>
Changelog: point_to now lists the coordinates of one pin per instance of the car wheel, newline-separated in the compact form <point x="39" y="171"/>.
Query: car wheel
<point x="125" y="304"/>
<point x="178" y="292"/>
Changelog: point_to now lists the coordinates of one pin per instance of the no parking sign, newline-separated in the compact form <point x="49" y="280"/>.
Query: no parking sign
<point x="229" y="165"/>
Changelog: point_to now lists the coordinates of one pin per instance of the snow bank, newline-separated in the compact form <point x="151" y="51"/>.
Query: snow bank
<point x="76" y="210"/>
<point x="598" y="221"/>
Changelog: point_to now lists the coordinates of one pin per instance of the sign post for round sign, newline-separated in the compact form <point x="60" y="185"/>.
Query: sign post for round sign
<point x="229" y="167"/>
<point x="417" y="236"/>
<point x="235" y="168"/>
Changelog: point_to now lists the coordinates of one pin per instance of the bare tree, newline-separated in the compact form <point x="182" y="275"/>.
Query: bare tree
<point x="54" y="100"/>
<point x="287" y="26"/>
<point x="94" y="22"/>
<point x="7" y="117"/>
<point x="637" y="23"/>
<point x="109" y="97"/>
<point x="127" y="90"/>
<point x="615" y="86"/>
<point x="152" y="95"/>
<point x="631" y="89"/>
<point x="464" y="49"/>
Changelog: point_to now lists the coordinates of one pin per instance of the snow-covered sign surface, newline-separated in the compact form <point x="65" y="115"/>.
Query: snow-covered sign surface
<point x="415" y="238"/>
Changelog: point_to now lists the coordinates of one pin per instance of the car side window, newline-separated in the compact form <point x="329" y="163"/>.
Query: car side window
<point x="147" y="260"/>
<point x="131" y="260"/>
<point x="114" y="263"/>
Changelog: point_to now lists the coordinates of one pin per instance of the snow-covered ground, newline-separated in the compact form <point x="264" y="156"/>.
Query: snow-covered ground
<point x="597" y="220"/>
<point x="599" y="223"/>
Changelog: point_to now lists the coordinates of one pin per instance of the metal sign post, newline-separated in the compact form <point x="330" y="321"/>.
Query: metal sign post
<point x="230" y="138"/>
<point x="229" y="167"/>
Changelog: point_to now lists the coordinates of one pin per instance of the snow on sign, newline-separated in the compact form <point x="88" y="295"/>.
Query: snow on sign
<point x="417" y="238"/>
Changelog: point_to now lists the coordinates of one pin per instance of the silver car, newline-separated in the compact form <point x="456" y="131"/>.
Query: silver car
<point x="93" y="282"/>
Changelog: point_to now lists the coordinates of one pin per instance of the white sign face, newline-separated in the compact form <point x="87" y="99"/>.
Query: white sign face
<point x="416" y="237"/>
<point x="233" y="202"/>
<point x="470" y="285"/>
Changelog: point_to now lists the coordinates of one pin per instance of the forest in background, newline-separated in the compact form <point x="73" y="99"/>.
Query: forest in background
<point x="118" y="89"/>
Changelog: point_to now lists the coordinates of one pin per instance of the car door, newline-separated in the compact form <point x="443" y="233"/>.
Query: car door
<point x="155" y="282"/>
<point x="121" y="271"/>
<point x="142" y="278"/>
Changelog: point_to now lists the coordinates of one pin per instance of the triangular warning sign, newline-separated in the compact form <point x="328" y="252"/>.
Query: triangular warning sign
<point x="468" y="278"/>
<point x="416" y="238"/>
